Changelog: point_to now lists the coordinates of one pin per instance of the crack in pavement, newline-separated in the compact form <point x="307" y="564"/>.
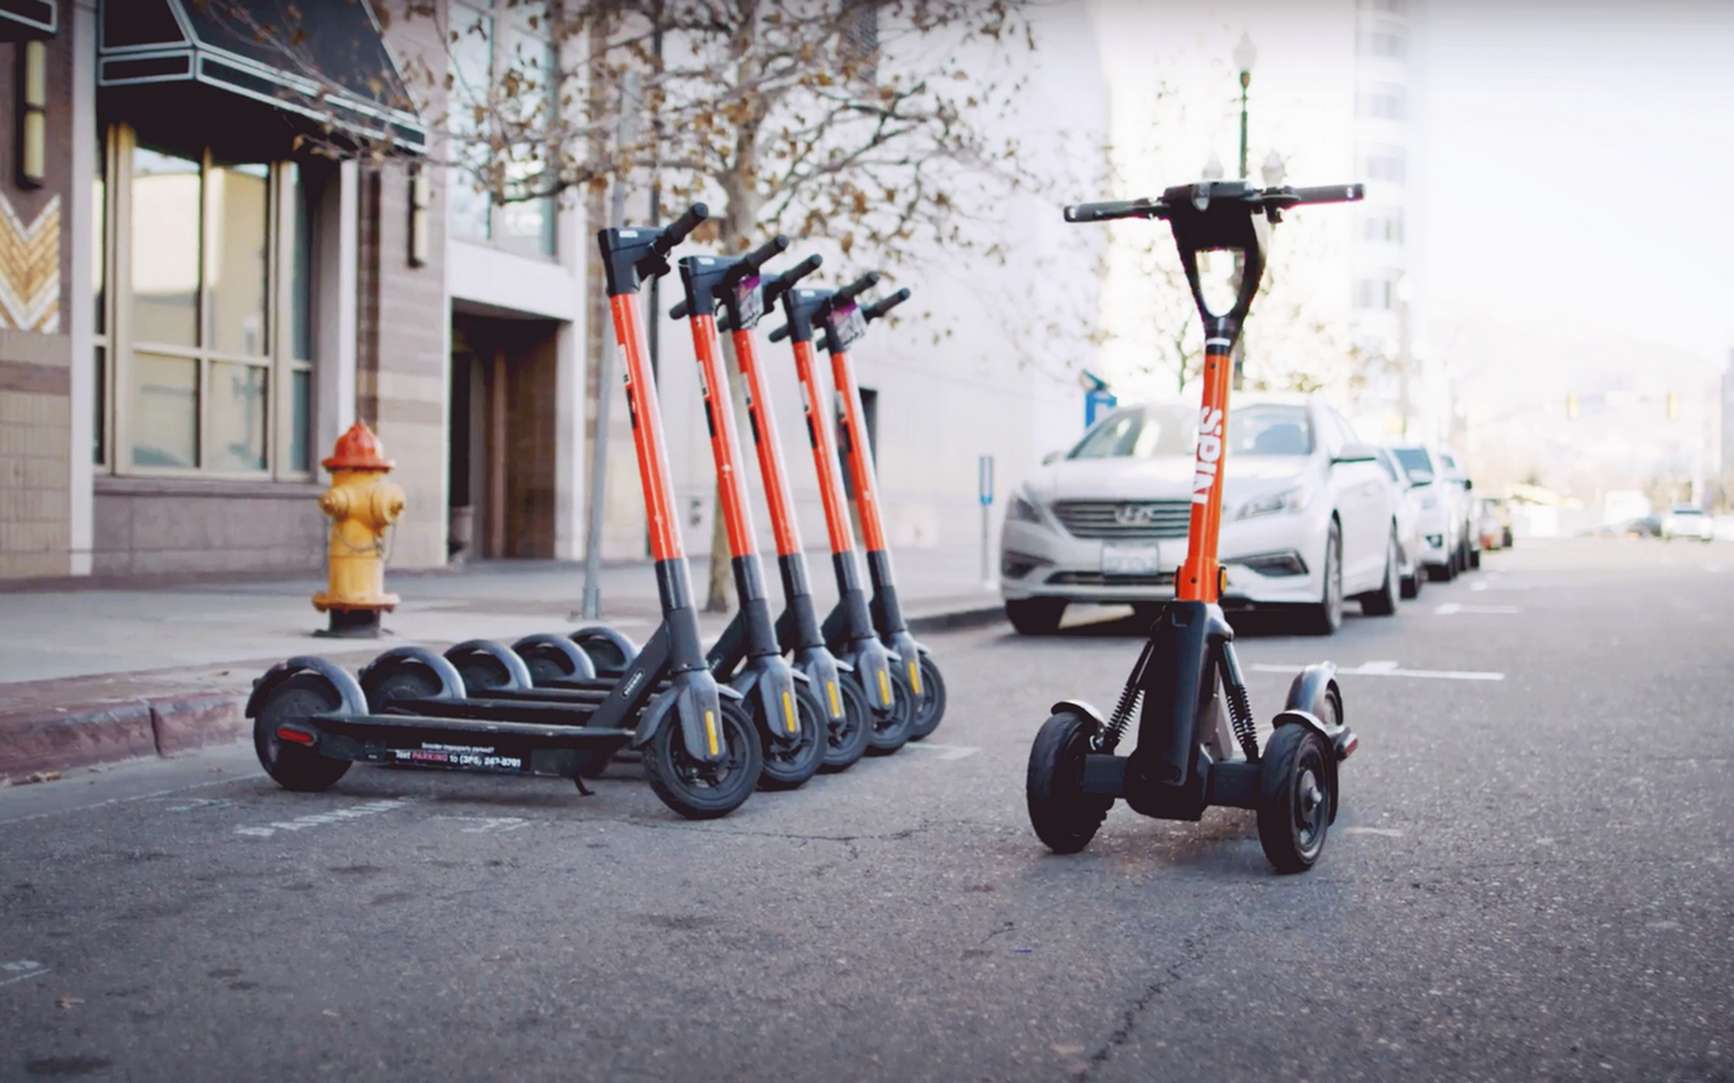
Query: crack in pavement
<point x="1193" y="952"/>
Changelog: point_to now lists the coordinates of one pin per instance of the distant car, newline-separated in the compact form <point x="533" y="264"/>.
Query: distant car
<point x="1410" y="544"/>
<point x="1687" y="521"/>
<point x="1493" y="523"/>
<point x="1308" y="518"/>
<point x="1441" y="520"/>
<point x="1469" y="555"/>
<point x="1643" y="526"/>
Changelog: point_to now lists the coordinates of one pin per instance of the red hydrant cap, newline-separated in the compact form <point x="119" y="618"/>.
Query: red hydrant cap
<point x="358" y="449"/>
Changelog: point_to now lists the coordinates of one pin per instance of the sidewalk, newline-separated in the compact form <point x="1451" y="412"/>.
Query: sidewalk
<point x="91" y="675"/>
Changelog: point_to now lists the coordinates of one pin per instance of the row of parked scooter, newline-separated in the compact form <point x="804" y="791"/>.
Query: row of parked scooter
<point x="772" y="702"/>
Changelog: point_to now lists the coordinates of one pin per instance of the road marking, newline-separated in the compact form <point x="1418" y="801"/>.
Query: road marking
<point x="197" y="804"/>
<point x="481" y="825"/>
<point x="129" y="800"/>
<point x="1478" y="586"/>
<point x="946" y="752"/>
<point x="21" y="970"/>
<point x="1379" y="669"/>
<point x="321" y="819"/>
<point x="1447" y="609"/>
<point x="1382" y="832"/>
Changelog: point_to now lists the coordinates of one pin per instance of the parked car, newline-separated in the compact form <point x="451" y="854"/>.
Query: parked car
<point x="1441" y="520"/>
<point x="1688" y="521"/>
<point x="1309" y="518"/>
<point x="1469" y="552"/>
<point x="1410" y="545"/>
<point x="1493" y="523"/>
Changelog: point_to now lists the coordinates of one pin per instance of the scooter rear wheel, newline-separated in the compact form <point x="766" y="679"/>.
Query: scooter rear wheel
<point x="848" y="737"/>
<point x="930" y="704"/>
<point x="1064" y="816"/>
<point x="1294" y="808"/>
<point x="701" y="791"/>
<point x="291" y="766"/>
<point x="890" y="732"/>
<point x="789" y="765"/>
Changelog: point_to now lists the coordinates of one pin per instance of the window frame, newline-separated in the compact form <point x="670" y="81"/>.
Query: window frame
<point x="121" y="346"/>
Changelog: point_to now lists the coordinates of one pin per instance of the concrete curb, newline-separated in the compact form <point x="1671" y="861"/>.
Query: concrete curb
<point x="58" y="738"/>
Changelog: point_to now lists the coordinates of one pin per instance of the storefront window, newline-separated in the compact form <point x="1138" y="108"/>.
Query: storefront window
<point x="202" y="340"/>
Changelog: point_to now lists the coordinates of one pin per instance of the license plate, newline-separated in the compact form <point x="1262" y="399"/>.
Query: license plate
<point x="1131" y="558"/>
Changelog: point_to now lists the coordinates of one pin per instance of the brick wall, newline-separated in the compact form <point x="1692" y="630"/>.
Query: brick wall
<point x="35" y="351"/>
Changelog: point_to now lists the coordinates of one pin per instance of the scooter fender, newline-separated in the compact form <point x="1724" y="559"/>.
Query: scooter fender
<point x="601" y="633"/>
<point x="771" y="681"/>
<point x="583" y="668"/>
<point x="348" y="688"/>
<point x="909" y="655"/>
<point x="694" y="699"/>
<point x="1078" y="706"/>
<point x="451" y="682"/>
<point x="517" y="673"/>
<point x="820" y="669"/>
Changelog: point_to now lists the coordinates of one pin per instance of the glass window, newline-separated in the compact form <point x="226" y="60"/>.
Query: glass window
<point x="238" y="257"/>
<point x="165" y="411"/>
<point x="236" y="423"/>
<point x="1270" y="430"/>
<point x="472" y="60"/>
<point x="1142" y="433"/>
<point x="1416" y="463"/>
<point x="166" y="191"/>
<point x="300" y="245"/>
<point x="491" y="41"/>
<point x="300" y="420"/>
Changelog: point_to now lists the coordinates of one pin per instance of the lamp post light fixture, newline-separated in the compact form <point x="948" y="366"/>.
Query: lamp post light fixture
<point x="1244" y="55"/>
<point x="33" y="114"/>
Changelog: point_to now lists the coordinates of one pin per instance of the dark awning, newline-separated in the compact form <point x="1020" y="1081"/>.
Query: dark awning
<point x="22" y="20"/>
<point x="291" y="65"/>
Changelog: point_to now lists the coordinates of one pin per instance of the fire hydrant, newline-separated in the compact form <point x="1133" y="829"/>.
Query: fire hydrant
<point x="361" y="504"/>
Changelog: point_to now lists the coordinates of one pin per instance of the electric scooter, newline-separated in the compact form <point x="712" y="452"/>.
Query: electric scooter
<point x="844" y="323"/>
<point x="410" y="707"/>
<point x="797" y="628"/>
<point x="1189" y="755"/>
<point x="848" y="630"/>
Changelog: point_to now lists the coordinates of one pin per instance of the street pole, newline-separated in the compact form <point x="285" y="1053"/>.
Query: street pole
<point x="984" y="477"/>
<point x="1244" y="54"/>
<point x="592" y="605"/>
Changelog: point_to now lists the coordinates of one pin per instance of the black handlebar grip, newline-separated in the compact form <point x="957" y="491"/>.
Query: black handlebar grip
<point x="758" y="257"/>
<point x="678" y="312"/>
<point x="673" y="234"/>
<point x="855" y="289"/>
<point x="885" y="304"/>
<point x="1331" y="193"/>
<point x="1102" y="212"/>
<point x="780" y="333"/>
<point x="784" y="281"/>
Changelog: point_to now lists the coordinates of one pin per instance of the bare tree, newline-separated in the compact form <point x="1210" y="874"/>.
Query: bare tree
<point x="881" y="125"/>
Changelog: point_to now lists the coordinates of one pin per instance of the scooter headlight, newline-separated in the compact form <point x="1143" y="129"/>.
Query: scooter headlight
<point x="1292" y="499"/>
<point x="1022" y="510"/>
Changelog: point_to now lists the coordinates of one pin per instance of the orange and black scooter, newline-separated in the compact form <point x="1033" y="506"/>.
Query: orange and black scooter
<point x="874" y="668"/>
<point x="793" y="720"/>
<point x="1191" y="755"/>
<point x="844" y="322"/>
<point x="844" y="702"/>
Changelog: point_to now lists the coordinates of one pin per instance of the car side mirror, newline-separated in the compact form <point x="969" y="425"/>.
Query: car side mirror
<point x="1052" y="456"/>
<point x="1468" y="485"/>
<point x="1355" y="453"/>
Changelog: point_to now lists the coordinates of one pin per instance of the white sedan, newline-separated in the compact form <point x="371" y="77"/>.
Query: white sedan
<point x="1309" y="517"/>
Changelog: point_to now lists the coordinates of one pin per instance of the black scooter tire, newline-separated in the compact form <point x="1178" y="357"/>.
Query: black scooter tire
<point x="930" y="706"/>
<point x="1294" y="801"/>
<point x="786" y="767"/>
<point x="887" y="735"/>
<point x="848" y="741"/>
<point x="672" y="774"/>
<point x="1065" y="818"/>
<point x="291" y="766"/>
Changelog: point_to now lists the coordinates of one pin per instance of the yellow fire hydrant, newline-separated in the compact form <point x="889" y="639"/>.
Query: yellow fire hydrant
<point x="361" y="504"/>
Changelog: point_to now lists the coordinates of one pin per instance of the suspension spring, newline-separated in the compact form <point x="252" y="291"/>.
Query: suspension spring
<point x="1130" y="697"/>
<point x="1239" y="704"/>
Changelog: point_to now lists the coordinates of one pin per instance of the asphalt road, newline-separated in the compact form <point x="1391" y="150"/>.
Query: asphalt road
<point x="1532" y="878"/>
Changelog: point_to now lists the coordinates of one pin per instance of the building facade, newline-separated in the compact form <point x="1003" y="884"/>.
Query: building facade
<point x="197" y="296"/>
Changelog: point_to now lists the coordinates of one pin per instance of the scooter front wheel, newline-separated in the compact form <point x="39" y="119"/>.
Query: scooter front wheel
<point x="890" y="731"/>
<point x="848" y="736"/>
<point x="1064" y="816"/>
<point x="789" y="764"/>
<point x="1294" y="807"/>
<point x="291" y="766"/>
<point x="930" y="703"/>
<point x="705" y="791"/>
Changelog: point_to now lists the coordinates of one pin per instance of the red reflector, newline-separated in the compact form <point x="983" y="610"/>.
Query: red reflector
<point x="1350" y="745"/>
<point x="294" y="736"/>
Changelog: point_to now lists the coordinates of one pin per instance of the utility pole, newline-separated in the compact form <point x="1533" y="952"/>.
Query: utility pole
<point x="1244" y="54"/>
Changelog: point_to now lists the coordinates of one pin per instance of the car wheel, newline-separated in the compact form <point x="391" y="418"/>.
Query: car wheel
<point x="1326" y="615"/>
<point x="1383" y="602"/>
<point x="1035" y="616"/>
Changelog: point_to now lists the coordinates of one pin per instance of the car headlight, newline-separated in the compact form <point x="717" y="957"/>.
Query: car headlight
<point x="1291" y="499"/>
<point x="1022" y="510"/>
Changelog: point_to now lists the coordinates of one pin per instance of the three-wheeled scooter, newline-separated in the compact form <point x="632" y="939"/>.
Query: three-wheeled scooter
<point x="1190" y="754"/>
<point x="700" y="747"/>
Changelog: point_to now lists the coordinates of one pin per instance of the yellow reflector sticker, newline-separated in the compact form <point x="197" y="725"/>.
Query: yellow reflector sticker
<point x="710" y="731"/>
<point x="836" y="703"/>
<point x="885" y="687"/>
<point x="789" y="713"/>
<point x="915" y="676"/>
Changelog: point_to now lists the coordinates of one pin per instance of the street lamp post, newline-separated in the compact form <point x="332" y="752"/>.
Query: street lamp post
<point x="1244" y="54"/>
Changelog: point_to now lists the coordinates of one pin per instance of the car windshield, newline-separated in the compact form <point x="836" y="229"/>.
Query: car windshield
<point x="1150" y="432"/>
<point x="1415" y="463"/>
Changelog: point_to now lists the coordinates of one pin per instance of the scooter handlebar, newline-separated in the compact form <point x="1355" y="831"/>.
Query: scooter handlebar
<point x="784" y="281"/>
<point x="751" y="262"/>
<point x="676" y="232"/>
<point x="855" y="289"/>
<point x="780" y="333"/>
<point x="1326" y="193"/>
<point x="885" y="304"/>
<point x="1119" y="208"/>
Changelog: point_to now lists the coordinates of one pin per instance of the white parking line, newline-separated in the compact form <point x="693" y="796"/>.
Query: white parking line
<point x="1447" y="609"/>
<point x="320" y="819"/>
<point x="18" y="970"/>
<point x="481" y="825"/>
<point x="946" y="752"/>
<point x="1383" y="832"/>
<point x="1389" y="669"/>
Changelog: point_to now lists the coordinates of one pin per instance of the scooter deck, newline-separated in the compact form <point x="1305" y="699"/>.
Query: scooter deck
<point x="521" y="748"/>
